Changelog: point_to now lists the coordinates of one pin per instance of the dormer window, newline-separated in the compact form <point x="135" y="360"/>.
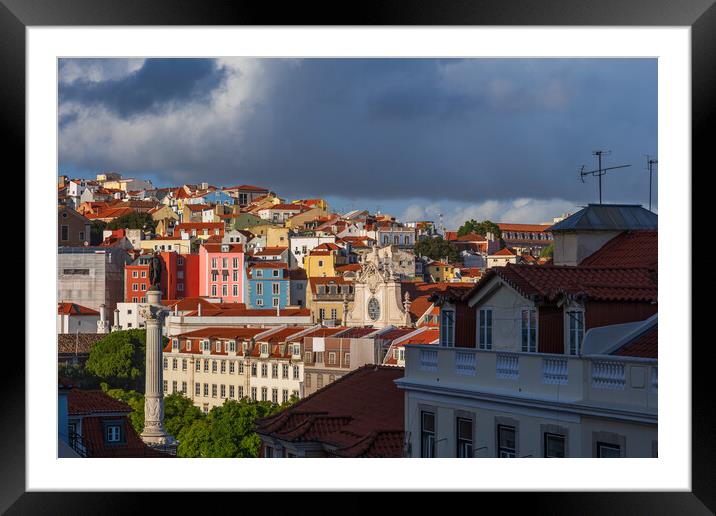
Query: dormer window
<point x="224" y="248"/>
<point x="218" y="346"/>
<point x="114" y="432"/>
<point x="264" y="349"/>
<point x="175" y="344"/>
<point x="232" y="345"/>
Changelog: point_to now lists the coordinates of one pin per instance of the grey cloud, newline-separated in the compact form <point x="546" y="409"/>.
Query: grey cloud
<point x="466" y="130"/>
<point x="159" y="84"/>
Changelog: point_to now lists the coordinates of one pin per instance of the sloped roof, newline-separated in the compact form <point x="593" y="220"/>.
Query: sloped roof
<point x="80" y="343"/>
<point x="359" y="415"/>
<point x="628" y="249"/>
<point x="80" y="402"/>
<point x="596" y="283"/>
<point x="609" y="217"/>
<point x="65" y="308"/>
<point x="645" y="345"/>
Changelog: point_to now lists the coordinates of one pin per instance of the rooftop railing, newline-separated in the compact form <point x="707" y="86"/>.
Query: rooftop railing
<point x="597" y="380"/>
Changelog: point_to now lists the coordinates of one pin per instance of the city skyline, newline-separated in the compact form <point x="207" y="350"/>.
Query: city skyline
<point x="399" y="135"/>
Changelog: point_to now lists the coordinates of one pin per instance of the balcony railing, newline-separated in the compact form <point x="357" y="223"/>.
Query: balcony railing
<point x="627" y="381"/>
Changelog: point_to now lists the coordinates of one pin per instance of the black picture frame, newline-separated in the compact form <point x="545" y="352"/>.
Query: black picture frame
<point x="700" y="15"/>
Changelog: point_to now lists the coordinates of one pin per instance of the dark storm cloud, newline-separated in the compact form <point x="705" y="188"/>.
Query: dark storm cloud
<point x="158" y="85"/>
<point x="466" y="130"/>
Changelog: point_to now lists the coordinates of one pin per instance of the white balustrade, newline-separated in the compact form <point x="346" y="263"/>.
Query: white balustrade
<point x="554" y="371"/>
<point x="465" y="363"/>
<point x="428" y="360"/>
<point x="507" y="365"/>
<point x="608" y="375"/>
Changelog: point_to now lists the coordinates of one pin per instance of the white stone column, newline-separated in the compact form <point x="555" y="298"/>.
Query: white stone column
<point x="154" y="433"/>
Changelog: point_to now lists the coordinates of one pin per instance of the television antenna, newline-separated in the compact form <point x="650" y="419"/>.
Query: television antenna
<point x="600" y="171"/>
<point x="650" y="167"/>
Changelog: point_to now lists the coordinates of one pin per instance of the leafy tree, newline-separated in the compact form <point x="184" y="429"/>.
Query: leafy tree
<point x="118" y="359"/>
<point x="227" y="431"/>
<point x="437" y="248"/>
<point x="80" y="377"/>
<point x="96" y="229"/>
<point x="480" y="228"/>
<point x="133" y="220"/>
<point x="547" y="252"/>
<point x="179" y="413"/>
<point x="135" y="400"/>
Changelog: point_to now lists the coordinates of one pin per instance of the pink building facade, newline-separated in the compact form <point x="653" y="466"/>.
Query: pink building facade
<point x="221" y="272"/>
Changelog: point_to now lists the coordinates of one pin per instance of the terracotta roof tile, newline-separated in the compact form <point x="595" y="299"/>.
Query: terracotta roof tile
<point x="628" y="249"/>
<point x="65" y="308"/>
<point x="645" y="345"/>
<point x="349" y="416"/>
<point x="596" y="283"/>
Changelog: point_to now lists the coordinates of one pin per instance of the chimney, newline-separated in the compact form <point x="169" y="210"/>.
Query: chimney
<point x="176" y="309"/>
<point x="102" y="313"/>
<point x="198" y="308"/>
<point x="278" y="311"/>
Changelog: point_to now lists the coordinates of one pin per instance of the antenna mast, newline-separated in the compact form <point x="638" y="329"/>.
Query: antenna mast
<point x="600" y="171"/>
<point x="650" y="166"/>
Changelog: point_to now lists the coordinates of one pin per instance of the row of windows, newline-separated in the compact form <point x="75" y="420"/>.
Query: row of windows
<point x="224" y="276"/>
<point x="225" y="290"/>
<point x="228" y="346"/>
<point x="319" y="380"/>
<point x="317" y="357"/>
<point x="528" y="330"/>
<point x="220" y="391"/>
<point x="220" y="365"/>
<point x="553" y="444"/>
<point x="224" y="263"/>
<point x="322" y="313"/>
<point x="275" y="289"/>
<point x="396" y="240"/>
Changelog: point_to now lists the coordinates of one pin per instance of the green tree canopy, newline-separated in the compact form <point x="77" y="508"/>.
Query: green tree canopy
<point x="133" y="220"/>
<point x="135" y="400"/>
<point x="227" y="431"/>
<point x="118" y="359"/>
<point x="547" y="252"/>
<point x="437" y="248"/>
<point x="480" y="228"/>
<point x="179" y="413"/>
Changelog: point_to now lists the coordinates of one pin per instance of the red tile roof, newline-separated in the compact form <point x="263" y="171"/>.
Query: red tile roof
<point x="523" y="227"/>
<point x="596" y="283"/>
<point x="81" y="402"/>
<point x="645" y="345"/>
<point x="420" y="292"/>
<point x="471" y="237"/>
<point x="327" y="280"/>
<point x="219" y="248"/>
<point x="503" y="252"/>
<point x="240" y="310"/>
<point x="357" y="332"/>
<point x="64" y="308"/>
<point x="359" y="415"/>
<point x="628" y="249"/>
<point x="270" y="251"/>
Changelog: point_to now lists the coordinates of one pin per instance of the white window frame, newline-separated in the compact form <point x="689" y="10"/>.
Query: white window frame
<point x="447" y="335"/>
<point x="574" y="332"/>
<point x="483" y="342"/>
<point x="521" y="347"/>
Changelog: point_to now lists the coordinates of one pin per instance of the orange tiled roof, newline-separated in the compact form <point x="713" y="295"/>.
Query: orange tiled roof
<point x="596" y="283"/>
<point x="359" y="415"/>
<point x="628" y="249"/>
<point x="65" y="308"/>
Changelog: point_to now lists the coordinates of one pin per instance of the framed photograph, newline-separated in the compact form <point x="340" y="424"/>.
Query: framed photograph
<point x="421" y="176"/>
